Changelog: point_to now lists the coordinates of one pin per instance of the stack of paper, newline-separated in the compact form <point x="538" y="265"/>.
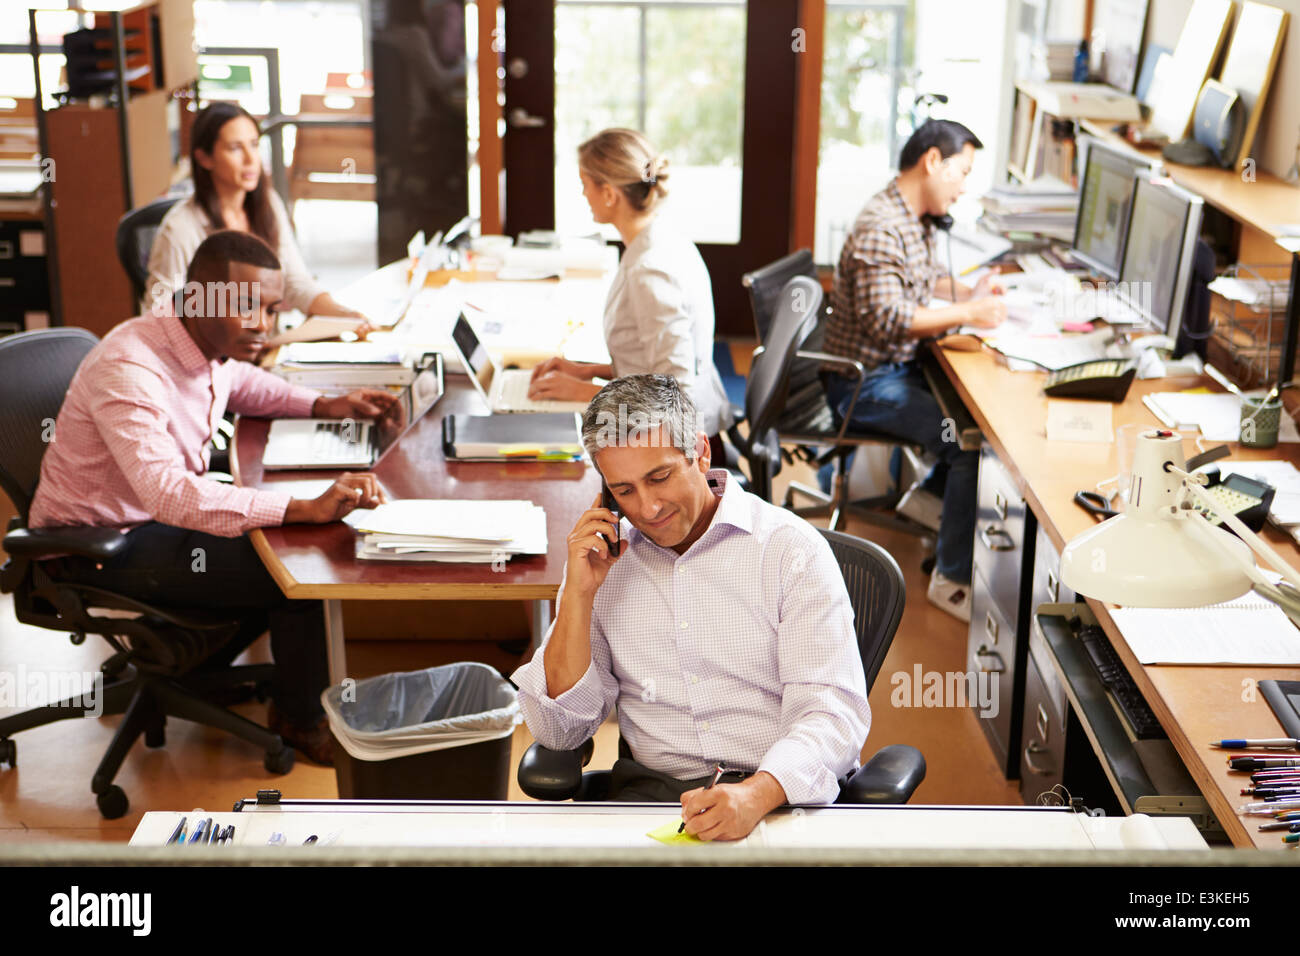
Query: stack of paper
<point x="460" y="531"/>
<point x="343" y="366"/>
<point x="1045" y="206"/>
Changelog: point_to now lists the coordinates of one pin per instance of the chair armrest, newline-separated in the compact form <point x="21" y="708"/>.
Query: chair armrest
<point x="891" y="776"/>
<point x="100" y="544"/>
<point x="546" y="774"/>
<point x="850" y="365"/>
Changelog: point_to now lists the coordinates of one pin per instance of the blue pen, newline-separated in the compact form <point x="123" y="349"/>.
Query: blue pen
<point x="199" y="830"/>
<point x="1272" y="743"/>
<point x="178" y="835"/>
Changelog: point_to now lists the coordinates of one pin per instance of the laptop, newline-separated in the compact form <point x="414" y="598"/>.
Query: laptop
<point x="304" y="443"/>
<point x="504" y="390"/>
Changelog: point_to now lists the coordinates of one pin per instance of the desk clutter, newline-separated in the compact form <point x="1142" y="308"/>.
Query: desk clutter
<point x="461" y="531"/>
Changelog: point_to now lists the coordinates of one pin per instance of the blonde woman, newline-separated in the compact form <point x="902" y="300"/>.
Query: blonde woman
<point x="659" y="312"/>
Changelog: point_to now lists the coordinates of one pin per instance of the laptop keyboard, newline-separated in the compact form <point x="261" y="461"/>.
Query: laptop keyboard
<point x="339" y="441"/>
<point x="514" y="394"/>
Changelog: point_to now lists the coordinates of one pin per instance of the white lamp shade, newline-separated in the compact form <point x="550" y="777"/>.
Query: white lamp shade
<point x="1139" y="561"/>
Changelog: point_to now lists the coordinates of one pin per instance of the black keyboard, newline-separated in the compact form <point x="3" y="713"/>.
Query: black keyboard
<point x="1120" y="683"/>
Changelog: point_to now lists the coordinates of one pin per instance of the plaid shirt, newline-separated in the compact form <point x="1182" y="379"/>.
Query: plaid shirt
<point x="887" y="268"/>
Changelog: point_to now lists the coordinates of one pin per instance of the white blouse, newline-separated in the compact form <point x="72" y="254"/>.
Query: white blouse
<point x="185" y="227"/>
<point x="659" y="319"/>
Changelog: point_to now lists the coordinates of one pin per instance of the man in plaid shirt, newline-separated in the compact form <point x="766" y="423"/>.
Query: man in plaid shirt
<point x="879" y="312"/>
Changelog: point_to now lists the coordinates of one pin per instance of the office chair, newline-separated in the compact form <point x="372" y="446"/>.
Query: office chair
<point x="877" y="594"/>
<point x="153" y="671"/>
<point x="135" y="232"/>
<point x="808" y="421"/>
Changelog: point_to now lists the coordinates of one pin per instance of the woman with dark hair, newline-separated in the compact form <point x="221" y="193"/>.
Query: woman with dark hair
<point x="231" y="191"/>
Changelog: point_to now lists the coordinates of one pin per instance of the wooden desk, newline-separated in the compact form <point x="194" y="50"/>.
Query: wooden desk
<point x="317" y="562"/>
<point x="1194" y="704"/>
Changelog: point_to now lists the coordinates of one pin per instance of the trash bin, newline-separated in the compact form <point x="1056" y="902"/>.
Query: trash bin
<point x="438" y="734"/>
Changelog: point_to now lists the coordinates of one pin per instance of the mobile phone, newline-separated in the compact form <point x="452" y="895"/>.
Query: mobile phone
<point x="607" y="501"/>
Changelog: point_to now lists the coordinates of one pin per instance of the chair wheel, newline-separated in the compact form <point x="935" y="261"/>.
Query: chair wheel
<point x="112" y="802"/>
<point x="8" y="752"/>
<point x="278" y="762"/>
<point x="156" y="735"/>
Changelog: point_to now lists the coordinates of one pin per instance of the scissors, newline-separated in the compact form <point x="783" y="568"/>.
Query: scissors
<point x="1095" y="504"/>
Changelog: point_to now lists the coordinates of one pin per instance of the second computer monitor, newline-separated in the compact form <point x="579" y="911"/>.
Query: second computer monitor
<point x="1105" y="191"/>
<point x="1164" y="224"/>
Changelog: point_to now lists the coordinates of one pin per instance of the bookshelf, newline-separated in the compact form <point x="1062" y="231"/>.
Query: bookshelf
<point x="114" y="145"/>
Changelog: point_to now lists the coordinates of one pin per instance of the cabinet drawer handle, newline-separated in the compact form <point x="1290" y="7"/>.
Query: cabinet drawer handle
<point x="1042" y="724"/>
<point x="1006" y="542"/>
<point x="996" y="668"/>
<point x="1053" y="587"/>
<point x="991" y="627"/>
<point x="1035" y="748"/>
<point x="1000" y="505"/>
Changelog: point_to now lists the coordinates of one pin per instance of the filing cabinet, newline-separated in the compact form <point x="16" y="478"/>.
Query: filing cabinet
<point x="1003" y="567"/>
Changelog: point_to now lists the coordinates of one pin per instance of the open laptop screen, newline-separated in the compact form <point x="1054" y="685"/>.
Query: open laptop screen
<point x="477" y="361"/>
<point x="416" y="399"/>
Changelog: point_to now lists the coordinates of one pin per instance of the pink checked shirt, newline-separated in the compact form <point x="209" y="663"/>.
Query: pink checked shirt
<point x="740" y="650"/>
<point x="131" y="441"/>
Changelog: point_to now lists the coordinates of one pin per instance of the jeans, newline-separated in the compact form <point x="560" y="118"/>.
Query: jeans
<point x="895" y="399"/>
<point x="178" y="568"/>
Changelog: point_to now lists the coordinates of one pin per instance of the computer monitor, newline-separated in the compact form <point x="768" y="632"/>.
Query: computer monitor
<point x="1105" y="190"/>
<point x="1164" y="224"/>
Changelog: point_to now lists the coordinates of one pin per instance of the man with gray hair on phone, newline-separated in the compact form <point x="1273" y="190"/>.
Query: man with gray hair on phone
<point x="719" y="625"/>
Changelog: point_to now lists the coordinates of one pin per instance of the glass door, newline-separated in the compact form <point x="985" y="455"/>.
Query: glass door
<point x="710" y="82"/>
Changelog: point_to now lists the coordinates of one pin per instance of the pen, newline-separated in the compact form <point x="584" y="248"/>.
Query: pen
<point x="310" y="840"/>
<point x="1281" y="825"/>
<point x="177" y="834"/>
<point x="1246" y="762"/>
<point x="1270" y="808"/>
<point x="717" y="775"/>
<point x="1272" y="743"/>
<point x="199" y="830"/>
<point x="230" y="833"/>
<point x="212" y="833"/>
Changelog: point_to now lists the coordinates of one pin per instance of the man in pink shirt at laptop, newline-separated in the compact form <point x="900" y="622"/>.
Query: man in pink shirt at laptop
<point x="131" y="448"/>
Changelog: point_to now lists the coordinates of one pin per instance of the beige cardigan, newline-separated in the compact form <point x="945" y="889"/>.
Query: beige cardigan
<point x="186" y="226"/>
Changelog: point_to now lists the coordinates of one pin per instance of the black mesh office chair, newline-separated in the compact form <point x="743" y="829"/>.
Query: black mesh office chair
<point x="877" y="594"/>
<point x="807" y="421"/>
<point x="153" y="672"/>
<point x="135" y="232"/>
<point x="767" y="389"/>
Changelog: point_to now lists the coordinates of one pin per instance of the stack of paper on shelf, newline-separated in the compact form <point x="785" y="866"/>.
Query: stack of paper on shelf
<point x="1046" y="206"/>
<point x="338" y="367"/>
<point x="452" y="530"/>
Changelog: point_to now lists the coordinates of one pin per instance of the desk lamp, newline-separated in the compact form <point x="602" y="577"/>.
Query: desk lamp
<point x="1161" y="552"/>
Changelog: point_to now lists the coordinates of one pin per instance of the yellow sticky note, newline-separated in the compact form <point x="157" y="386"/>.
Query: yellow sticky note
<point x="668" y="834"/>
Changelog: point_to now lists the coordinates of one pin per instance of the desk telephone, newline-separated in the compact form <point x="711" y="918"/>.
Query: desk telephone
<point x="1249" y="500"/>
<point x="1105" y="380"/>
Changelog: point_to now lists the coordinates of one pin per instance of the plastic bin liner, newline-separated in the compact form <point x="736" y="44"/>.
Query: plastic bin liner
<point x="398" y="715"/>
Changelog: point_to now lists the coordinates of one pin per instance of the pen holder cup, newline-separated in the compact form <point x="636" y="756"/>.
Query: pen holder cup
<point x="1260" y="422"/>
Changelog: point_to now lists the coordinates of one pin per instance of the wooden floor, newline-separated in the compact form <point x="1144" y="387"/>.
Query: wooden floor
<point x="47" y="797"/>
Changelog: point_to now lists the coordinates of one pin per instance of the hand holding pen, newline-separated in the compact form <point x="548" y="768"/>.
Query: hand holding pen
<point x="718" y="771"/>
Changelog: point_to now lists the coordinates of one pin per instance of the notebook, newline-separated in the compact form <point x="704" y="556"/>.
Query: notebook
<point x="544" y="436"/>
<point x="1247" y="630"/>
